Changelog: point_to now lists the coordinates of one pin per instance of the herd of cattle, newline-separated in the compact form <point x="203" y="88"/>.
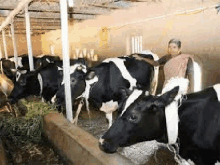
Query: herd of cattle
<point x="125" y="84"/>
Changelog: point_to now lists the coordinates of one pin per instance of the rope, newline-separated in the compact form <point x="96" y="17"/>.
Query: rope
<point x="181" y="13"/>
<point x="175" y="149"/>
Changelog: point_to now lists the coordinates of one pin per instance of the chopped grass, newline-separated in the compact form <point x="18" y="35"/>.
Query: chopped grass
<point x="37" y="108"/>
<point x="23" y="138"/>
<point x="28" y="128"/>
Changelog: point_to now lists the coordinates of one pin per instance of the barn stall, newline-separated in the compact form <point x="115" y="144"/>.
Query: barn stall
<point x="102" y="29"/>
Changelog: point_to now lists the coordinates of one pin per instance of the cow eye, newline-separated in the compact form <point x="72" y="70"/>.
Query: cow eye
<point x="132" y="118"/>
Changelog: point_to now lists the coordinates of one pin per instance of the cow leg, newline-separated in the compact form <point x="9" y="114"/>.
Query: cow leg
<point x="109" y="118"/>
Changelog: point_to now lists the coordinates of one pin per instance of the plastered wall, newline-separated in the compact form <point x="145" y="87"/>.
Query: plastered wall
<point x="157" y="22"/>
<point x="21" y="45"/>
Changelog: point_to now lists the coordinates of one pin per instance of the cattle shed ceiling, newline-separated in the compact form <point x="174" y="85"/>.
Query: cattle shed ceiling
<point x="45" y="14"/>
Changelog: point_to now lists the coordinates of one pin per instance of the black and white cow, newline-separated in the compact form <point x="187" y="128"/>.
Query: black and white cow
<point x="100" y="84"/>
<point x="143" y="119"/>
<point x="42" y="82"/>
<point x="9" y="67"/>
<point x="45" y="81"/>
<point x="78" y="68"/>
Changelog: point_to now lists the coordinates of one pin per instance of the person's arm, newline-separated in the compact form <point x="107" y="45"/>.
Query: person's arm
<point x="190" y="74"/>
<point x="159" y="62"/>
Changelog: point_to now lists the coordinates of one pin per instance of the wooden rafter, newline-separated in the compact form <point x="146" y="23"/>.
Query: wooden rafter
<point x="50" y="11"/>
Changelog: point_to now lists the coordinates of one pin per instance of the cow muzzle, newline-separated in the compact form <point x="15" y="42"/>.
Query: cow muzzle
<point x="106" y="146"/>
<point x="11" y="100"/>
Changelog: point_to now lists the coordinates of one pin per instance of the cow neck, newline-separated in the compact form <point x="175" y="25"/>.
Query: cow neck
<point x="85" y="95"/>
<point x="124" y="72"/>
<point x="171" y="110"/>
<point x="39" y="77"/>
<point x="134" y="96"/>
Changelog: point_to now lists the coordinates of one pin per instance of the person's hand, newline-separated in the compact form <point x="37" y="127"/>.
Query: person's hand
<point x="137" y="57"/>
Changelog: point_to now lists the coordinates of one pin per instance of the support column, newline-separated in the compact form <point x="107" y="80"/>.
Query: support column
<point x="5" y="44"/>
<point x="14" y="44"/>
<point x="66" y="61"/>
<point x="28" y="36"/>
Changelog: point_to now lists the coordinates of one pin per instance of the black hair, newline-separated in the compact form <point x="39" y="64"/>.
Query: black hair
<point x="176" y="41"/>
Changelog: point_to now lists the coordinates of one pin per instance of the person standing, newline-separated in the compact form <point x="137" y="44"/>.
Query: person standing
<point x="178" y="71"/>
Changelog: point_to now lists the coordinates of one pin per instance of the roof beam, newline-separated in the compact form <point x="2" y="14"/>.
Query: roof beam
<point x="106" y="7"/>
<point x="12" y="14"/>
<point x="50" y="11"/>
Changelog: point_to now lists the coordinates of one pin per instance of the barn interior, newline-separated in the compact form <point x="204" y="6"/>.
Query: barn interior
<point x="99" y="29"/>
<point x="108" y="28"/>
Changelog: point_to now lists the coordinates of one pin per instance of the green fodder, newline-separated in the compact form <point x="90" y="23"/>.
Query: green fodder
<point x="26" y="129"/>
<point x="20" y="130"/>
<point x="38" y="108"/>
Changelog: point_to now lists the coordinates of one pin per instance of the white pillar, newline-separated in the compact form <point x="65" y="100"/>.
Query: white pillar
<point x="71" y="3"/>
<point x="14" y="44"/>
<point x="52" y="49"/>
<point x="133" y="45"/>
<point x="5" y="44"/>
<point x="141" y="44"/>
<point x="0" y="52"/>
<point x="66" y="61"/>
<point x="128" y="46"/>
<point x="136" y="45"/>
<point x="28" y="36"/>
<point x="1" y="58"/>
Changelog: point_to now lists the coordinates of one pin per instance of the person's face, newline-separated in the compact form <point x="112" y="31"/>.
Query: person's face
<point x="173" y="49"/>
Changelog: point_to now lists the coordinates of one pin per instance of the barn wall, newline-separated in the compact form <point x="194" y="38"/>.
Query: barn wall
<point x="109" y="34"/>
<point x="22" y="45"/>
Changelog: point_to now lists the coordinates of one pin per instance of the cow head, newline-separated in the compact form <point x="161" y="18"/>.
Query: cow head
<point x="8" y="68"/>
<point x="142" y="119"/>
<point x="21" y="77"/>
<point x="77" y="82"/>
<point x="26" y="83"/>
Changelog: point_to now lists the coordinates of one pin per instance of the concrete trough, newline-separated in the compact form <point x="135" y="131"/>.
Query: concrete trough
<point x="77" y="145"/>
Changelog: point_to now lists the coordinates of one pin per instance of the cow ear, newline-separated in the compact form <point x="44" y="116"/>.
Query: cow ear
<point x="169" y="96"/>
<point x="124" y="92"/>
<point x="90" y="75"/>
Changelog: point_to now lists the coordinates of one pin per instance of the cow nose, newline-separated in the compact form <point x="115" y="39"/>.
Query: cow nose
<point x="101" y="141"/>
<point x="101" y="145"/>
<point x="11" y="100"/>
<point x="106" y="147"/>
<point x="22" y="82"/>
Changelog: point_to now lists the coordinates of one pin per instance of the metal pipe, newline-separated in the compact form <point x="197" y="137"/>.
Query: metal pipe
<point x="133" y="45"/>
<point x="28" y="36"/>
<point x="14" y="12"/>
<point x="14" y="44"/>
<point x="66" y="61"/>
<point x="5" y="44"/>
<point x="141" y="44"/>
